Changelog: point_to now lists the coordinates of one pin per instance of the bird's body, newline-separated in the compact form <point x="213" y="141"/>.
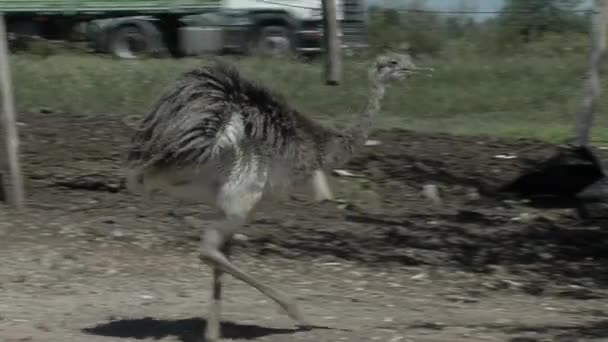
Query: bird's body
<point x="215" y="127"/>
<point x="216" y="137"/>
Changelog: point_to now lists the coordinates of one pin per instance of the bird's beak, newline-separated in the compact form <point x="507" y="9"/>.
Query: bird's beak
<point x="416" y="70"/>
<point x="424" y="70"/>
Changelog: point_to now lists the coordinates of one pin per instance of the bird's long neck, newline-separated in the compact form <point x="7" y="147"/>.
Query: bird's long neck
<point x="360" y="129"/>
<point x="345" y="142"/>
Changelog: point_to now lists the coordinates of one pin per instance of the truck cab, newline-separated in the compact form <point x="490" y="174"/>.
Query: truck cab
<point x="280" y="27"/>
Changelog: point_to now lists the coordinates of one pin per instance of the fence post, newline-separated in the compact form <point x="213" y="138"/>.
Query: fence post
<point x="591" y="92"/>
<point x="8" y="121"/>
<point x="333" y="65"/>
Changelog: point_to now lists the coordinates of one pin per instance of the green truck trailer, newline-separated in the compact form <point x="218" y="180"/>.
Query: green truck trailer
<point x="84" y="7"/>
<point x="132" y="28"/>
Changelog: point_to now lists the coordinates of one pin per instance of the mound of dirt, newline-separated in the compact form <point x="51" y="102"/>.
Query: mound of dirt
<point x="486" y="163"/>
<point x="77" y="162"/>
<point x="387" y="264"/>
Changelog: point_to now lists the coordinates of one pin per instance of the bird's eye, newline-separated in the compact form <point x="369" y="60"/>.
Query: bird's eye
<point x="393" y="62"/>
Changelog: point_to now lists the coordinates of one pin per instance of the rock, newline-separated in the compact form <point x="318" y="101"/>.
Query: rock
<point x="473" y="195"/>
<point x="594" y="200"/>
<point x="597" y="191"/>
<point x="346" y="173"/>
<point x="117" y="233"/>
<point x="108" y="220"/>
<point x="21" y="278"/>
<point x="51" y="260"/>
<point x="510" y="283"/>
<point x="111" y="271"/>
<point x="523" y="217"/>
<point x="241" y="237"/>
<point x="461" y="299"/>
<point x="67" y="229"/>
<point x="420" y="276"/>
<point x="43" y="327"/>
<point x="593" y="210"/>
<point x="431" y="192"/>
<point x="533" y="289"/>
<point x="561" y="177"/>
<point x="531" y="337"/>
<point x="579" y="292"/>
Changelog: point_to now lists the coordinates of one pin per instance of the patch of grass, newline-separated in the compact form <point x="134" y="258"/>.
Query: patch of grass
<point x="525" y="95"/>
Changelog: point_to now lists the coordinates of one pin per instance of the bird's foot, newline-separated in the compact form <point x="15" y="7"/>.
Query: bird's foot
<point x="293" y="311"/>
<point x="212" y="332"/>
<point x="212" y="337"/>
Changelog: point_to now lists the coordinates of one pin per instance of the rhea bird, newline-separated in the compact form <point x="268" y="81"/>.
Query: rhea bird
<point x="227" y="141"/>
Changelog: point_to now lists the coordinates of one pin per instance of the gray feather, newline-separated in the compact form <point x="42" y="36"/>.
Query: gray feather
<point x="214" y="109"/>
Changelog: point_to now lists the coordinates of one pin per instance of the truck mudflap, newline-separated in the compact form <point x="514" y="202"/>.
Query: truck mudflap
<point x="309" y="37"/>
<point x="309" y="40"/>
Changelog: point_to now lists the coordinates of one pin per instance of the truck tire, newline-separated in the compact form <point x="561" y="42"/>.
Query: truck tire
<point x="274" y="40"/>
<point x="135" y="40"/>
<point x="21" y="34"/>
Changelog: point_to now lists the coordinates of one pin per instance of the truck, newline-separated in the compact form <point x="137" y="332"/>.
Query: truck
<point x="136" y="28"/>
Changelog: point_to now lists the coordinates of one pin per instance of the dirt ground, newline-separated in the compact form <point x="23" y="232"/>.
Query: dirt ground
<point x="89" y="262"/>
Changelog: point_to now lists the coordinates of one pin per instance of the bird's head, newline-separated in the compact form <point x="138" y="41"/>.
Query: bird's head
<point x="392" y="67"/>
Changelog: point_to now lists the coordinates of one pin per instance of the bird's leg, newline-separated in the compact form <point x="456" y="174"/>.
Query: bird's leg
<point x="213" y="332"/>
<point x="320" y="186"/>
<point x="211" y="254"/>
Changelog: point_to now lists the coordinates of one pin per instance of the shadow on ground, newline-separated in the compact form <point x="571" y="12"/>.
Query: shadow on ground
<point x="590" y="330"/>
<point x="538" y="333"/>
<point x="473" y="230"/>
<point x="185" y="330"/>
<point x="474" y="240"/>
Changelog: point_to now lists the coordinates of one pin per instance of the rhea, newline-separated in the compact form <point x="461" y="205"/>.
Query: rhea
<point x="222" y="139"/>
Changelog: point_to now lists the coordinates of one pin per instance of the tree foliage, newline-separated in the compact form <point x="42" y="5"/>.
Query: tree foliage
<point x="408" y="29"/>
<point x="529" y="20"/>
<point x="553" y="25"/>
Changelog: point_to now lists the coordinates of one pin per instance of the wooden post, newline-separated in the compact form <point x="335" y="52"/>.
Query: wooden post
<point x="331" y="43"/>
<point x="333" y="74"/>
<point x="8" y="121"/>
<point x="591" y="91"/>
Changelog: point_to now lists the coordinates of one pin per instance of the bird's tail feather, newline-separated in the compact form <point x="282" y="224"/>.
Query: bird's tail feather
<point x="230" y="136"/>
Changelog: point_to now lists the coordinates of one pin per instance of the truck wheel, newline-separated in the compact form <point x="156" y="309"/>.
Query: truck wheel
<point x="128" y="42"/>
<point x="274" y="40"/>
<point x="21" y="34"/>
<point x="131" y="41"/>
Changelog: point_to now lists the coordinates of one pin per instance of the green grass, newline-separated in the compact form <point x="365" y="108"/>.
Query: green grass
<point x="524" y="95"/>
